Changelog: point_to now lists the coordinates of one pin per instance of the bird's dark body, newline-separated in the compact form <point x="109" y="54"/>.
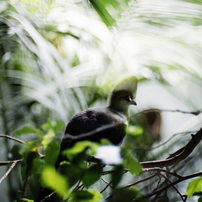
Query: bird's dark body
<point x="84" y="126"/>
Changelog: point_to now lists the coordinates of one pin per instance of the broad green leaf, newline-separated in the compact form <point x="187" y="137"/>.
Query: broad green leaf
<point x="117" y="175"/>
<point x="51" y="152"/>
<point x="200" y="199"/>
<point x="92" y="175"/>
<point x="55" y="181"/>
<point x="73" y="172"/>
<point x="194" y="186"/>
<point x="28" y="130"/>
<point x="31" y="164"/>
<point x="86" y="196"/>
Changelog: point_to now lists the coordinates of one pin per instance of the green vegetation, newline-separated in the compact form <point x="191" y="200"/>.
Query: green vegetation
<point x="60" y="57"/>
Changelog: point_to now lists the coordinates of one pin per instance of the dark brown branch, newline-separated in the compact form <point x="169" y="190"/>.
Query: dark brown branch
<point x="108" y="184"/>
<point x="177" y="156"/>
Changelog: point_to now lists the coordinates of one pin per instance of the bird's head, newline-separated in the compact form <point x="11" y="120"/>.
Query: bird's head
<point x="123" y="95"/>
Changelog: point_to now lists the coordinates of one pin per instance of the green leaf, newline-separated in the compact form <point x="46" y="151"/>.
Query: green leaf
<point x="134" y="130"/>
<point x="55" y="181"/>
<point x="130" y="162"/>
<point x="52" y="152"/>
<point x="28" y="130"/>
<point x="92" y="175"/>
<point x="25" y="199"/>
<point x="47" y="138"/>
<point x="31" y="164"/>
<point x="73" y="172"/>
<point x="86" y="196"/>
<point x="54" y="125"/>
<point x="117" y="175"/>
<point x="194" y="186"/>
<point x="79" y="147"/>
<point x="109" y="10"/>
<point x="200" y="199"/>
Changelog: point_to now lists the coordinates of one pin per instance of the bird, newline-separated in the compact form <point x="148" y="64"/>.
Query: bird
<point x="95" y="124"/>
<point x="108" y="122"/>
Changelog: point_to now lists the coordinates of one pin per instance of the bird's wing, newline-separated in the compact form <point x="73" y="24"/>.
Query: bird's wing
<point x="92" y="119"/>
<point x="88" y="120"/>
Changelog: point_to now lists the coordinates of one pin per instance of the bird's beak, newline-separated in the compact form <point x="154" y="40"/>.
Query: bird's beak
<point x="133" y="102"/>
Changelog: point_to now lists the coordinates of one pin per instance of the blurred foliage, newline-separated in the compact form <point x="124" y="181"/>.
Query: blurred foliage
<point x="60" y="57"/>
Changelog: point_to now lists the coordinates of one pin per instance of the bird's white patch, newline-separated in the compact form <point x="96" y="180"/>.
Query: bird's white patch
<point x="110" y="155"/>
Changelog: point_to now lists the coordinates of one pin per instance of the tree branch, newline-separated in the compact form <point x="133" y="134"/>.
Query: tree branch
<point x="168" y="110"/>
<point x="181" y="178"/>
<point x="12" y="138"/>
<point x="177" y="156"/>
<point x="8" y="171"/>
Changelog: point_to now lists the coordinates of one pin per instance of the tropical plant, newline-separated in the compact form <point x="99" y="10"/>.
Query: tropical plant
<point x="58" y="58"/>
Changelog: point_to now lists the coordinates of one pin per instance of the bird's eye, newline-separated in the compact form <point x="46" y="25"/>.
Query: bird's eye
<point x="126" y="97"/>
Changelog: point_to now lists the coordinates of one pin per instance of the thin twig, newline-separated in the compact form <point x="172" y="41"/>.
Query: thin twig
<point x="162" y="144"/>
<point x="8" y="171"/>
<point x="77" y="186"/>
<point x="108" y="184"/>
<point x="182" y="178"/>
<point x="161" y="170"/>
<point x="47" y="196"/>
<point x="139" y="181"/>
<point x="182" y="196"/>
<point x="168" y="110"/>
<point x="12" y="138"/>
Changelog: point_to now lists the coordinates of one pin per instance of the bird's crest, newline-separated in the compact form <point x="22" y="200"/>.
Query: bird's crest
<point x="129" y="84"/>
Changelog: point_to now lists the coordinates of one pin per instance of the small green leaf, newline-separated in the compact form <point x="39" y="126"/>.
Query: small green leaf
<point x="130" y="162"/>
<point x="47" y="138"/>
<point x="134" y="130"/>
<point x="25" y="199"/>
<point x="80" y="147"/>
<point x="200" y="199"/>
<point x="194" y="186"/>
<point x="55" y="181"/>
<point x="52" y="152"/>
<point x="117" y="175"/>
<point x="92" y="175"/>
<point x="54" y="125"/>
<point x="28" y="130"/>
<point x="86" y="196"/>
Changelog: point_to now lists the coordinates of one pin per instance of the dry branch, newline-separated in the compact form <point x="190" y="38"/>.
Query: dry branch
<point x="177" y="156"/>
